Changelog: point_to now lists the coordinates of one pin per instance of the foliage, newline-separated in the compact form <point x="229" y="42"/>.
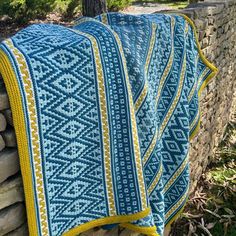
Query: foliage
<point x="115" y="5"/>
<point x="71" y="7"/>
<point x="23" y="10"/>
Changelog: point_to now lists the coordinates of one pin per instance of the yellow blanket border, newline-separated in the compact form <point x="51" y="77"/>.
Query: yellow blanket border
<point x="150" y="231"/>
<point x="207" y="63"/>
<point x="13" y="91"/>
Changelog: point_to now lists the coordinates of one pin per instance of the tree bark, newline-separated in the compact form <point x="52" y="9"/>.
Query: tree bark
<point x="93" y="8"/>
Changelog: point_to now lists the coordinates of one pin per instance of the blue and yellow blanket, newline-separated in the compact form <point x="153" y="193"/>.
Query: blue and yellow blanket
<point x="103" y="113"/>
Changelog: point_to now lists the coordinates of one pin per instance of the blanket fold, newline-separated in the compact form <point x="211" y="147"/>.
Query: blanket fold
<point x="103" y="114"/>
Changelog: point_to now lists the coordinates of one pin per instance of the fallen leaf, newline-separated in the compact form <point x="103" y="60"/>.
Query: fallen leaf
<point x="228" y="210"/>
<point x="210" y="225"/>
<point x="212" y="213"/>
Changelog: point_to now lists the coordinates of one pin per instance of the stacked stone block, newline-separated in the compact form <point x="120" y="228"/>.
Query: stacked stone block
<point x="12" y="208"/>
<point x="216" y="24"/>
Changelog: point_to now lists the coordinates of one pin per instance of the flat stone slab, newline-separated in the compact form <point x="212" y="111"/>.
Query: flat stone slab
<point x="9" y="137"/>
<point x="11" y="191"/>
<point x="21" y="231"/>
<point x="113" y="232"/>
<point x="11" y="218"/>
<point x="9" y="163"/>
<point x="2" y="143"/>
<point x="4" y="101"/>
<point x="8" y="116"/>
<point x="3" y="122"/>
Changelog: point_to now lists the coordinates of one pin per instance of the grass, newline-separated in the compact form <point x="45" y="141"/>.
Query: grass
<point x="212" y="209"/>
<point x="177" y="5"/>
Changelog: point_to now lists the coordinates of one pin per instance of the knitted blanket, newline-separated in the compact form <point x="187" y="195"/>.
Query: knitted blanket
<point x="103" y="114"/>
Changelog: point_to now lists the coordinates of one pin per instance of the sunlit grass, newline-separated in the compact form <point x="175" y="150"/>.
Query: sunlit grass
<point x="181" y="4"/>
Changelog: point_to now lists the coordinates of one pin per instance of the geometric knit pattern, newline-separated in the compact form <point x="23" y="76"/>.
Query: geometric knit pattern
<point x="103" y="113"/>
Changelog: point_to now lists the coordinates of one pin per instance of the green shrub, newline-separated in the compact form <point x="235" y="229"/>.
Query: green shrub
<point x="24" y="10"/>
<point x="115" y="5"/>
<point x="73" y="6"/>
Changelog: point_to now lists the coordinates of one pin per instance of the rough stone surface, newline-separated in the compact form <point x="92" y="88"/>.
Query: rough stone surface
<point x="127" y="232"/>
<point x="101" y="232"/>
<point x="21" y="231"/>
<point x="11" y="218"/>
<point x="8" y="115"/>
<point x="11" y="191"/>
<point x="3" y="123"/>
<point x="114" y="232"/>
<point x="9" y="137"/>
<point x="4" y="101"/>
<point x="2" y="143"/>
<point x="9" y="163"/>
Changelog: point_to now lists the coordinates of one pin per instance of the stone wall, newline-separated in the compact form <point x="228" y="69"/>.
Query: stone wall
<point x="12" y="208"/>
<point x="216" y="23"/>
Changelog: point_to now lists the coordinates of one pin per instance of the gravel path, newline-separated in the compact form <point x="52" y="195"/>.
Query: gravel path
<point x="146" y="8"/>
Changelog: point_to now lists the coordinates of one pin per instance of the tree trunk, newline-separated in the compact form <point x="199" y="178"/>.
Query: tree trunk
<point x="93" y="7"/>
